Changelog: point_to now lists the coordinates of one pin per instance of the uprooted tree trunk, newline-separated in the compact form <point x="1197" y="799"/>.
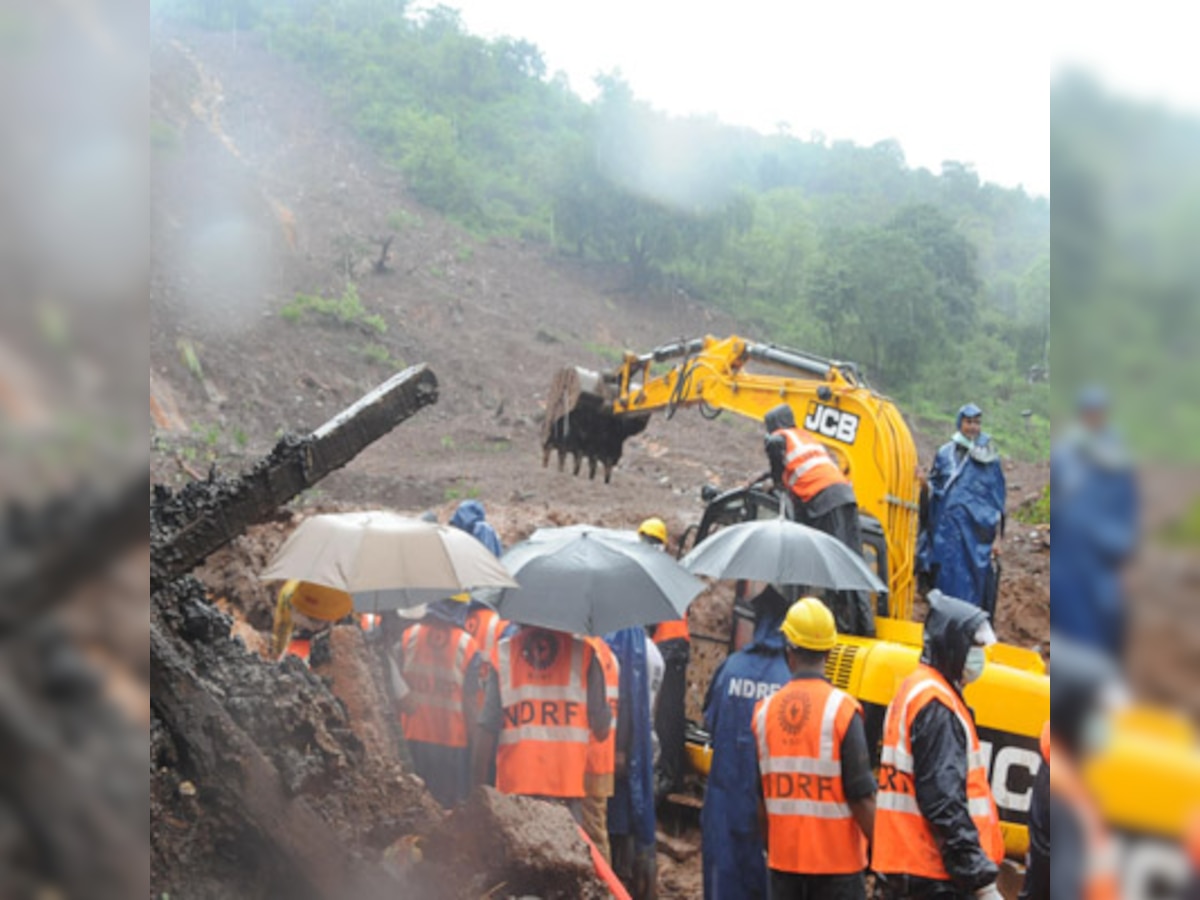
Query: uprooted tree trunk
<point x="245" y="747"/>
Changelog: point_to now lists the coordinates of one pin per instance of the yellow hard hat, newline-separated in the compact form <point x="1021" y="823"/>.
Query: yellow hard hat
<point x="317" y="601"/>
<point x="809" y="624"/>
<point x="654" y="527"/>
<point x="464" y="597"/>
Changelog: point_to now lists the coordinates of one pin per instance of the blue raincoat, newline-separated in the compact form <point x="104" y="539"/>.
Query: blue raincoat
<point x="1094" y="523"/>
<point x="631" y="807"/>
<point x="734" y="866"/>
<point x="470" y="517"/>
<point x="966" y="504"/>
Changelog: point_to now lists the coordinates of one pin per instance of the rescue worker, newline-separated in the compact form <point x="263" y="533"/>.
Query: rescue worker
<point x="471" y="518"/>
<point x="439" y="662"/>
<point x="544" y="703"/>
<point x="731" y="848"/>
<point x="484" y="624"/>
<point x="823" y="498"/>
<point x="1094" y="519"/>
<point x="962" y="514"/>
<point x="631" y="820"/>
<point x="817" y="791"/>
<point x="601" y="762"/>
<point x="674" y="643"/>
<point x="1085" y="689"/>
<point x="937" y="830"/>
<point x="1037" y="858"/>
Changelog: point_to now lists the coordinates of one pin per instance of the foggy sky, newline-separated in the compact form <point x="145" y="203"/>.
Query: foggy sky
<point x="947" y="79"/>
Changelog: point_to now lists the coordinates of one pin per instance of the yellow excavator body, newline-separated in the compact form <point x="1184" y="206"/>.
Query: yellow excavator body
<point x="1147" y="782"/>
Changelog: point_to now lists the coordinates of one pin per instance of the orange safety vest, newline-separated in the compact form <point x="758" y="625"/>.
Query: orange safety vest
<point x="810" y="828"/>
<point x="674" y="630"/>
<point x="1100" y="870"/>
<point x="436" y="657"/>
<point x="542" y="676"/>
<point x="300" y="647"/>
<point x="486" y="626"/>
<point x="807" y="466"/>
<point x="602" y="755"/>
<point x="904" y="841"/>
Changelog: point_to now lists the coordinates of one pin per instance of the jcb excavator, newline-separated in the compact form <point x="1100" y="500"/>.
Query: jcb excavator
<point x="589" y="416"/>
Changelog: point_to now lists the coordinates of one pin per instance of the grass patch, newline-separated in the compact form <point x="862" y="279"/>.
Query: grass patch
<point x="458" y="492"/>
<point x="346" y="310"/>
<point x="1037" y="511"/>
<point x="163" y="137"/>
<point x="191" y="359"/>
<point x="1184" y="531"/>
<point x="380" y="356"/>
<point x="606" y="353"/>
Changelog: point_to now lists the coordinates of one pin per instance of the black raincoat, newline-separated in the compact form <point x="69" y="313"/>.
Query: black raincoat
<point x="939" y="747"/>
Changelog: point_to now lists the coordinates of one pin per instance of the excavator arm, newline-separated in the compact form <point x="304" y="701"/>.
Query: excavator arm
<point x="590" y="415"/>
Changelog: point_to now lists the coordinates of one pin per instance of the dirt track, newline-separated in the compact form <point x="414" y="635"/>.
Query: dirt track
<point x="265" y="195"/>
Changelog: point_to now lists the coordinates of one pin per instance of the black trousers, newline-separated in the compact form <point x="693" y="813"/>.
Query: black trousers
<point x="791" y="886"/>
<point x="671" y="720"/>
<point x="852" y="609"/>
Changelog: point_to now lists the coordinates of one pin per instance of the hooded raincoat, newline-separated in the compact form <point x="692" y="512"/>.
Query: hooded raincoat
<point x="631" y="807"/>
<point x="963" y="517"/>
<point x="1094" y="520"/>
<point x="734" y="865"/>
<point x="471" y="518"/>
<point x="939" y="748"/>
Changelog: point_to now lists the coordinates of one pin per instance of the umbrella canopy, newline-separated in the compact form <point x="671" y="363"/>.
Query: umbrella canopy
<point x="386" y="561"/>
<point x="780" y="551"/>
<point x="592" y="581"/>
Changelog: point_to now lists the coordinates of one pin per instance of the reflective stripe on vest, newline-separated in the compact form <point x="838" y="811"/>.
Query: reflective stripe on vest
<point x="904" y="842"/>
<point x="811" y="827"/>
<point x="601" y="759"/>
<point x="1100" y="881"/>
<point x="544" y="736"/>
<point x="807" y="466"/>
<point x="435" y="663"/>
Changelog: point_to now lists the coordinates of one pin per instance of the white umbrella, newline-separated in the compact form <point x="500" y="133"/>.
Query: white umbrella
<point x="386" y="561"/>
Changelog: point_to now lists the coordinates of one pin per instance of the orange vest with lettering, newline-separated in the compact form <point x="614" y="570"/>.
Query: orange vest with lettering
<point x="543" y="748"/>
<point x="601" y="759"/>
<point x="1099" y="865"/>
<point x="904" y="841"/>
<point x="676" y="629"/>
<point x="807" y="466"/>
<point x="436" y="657"/>
<point x="799" y="731"/>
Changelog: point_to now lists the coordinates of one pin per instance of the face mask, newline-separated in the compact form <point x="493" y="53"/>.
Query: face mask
<point x="973" y="667"/>
<point x="1095" y="733"/>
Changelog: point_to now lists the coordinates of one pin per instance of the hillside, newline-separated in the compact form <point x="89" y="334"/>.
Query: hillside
<point x="262" y="194"/>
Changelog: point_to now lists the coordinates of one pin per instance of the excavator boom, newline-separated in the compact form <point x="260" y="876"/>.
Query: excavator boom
<point x="589" y="416"/>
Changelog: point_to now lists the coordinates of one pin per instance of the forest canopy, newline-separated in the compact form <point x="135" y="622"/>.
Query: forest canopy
<point x="938" y="284"/>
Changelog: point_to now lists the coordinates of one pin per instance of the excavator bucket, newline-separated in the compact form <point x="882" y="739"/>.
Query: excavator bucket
<point x="580" y="422"/>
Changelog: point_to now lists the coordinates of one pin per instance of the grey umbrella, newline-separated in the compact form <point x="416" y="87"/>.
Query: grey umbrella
<point x="587" y="581"/>
<point x="780" y="551"/>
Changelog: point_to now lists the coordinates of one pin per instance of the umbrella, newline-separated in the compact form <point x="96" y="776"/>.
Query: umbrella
<point x="592" y="581"/>
<point x="780" y="551"/>
<point x="386" y="561"/>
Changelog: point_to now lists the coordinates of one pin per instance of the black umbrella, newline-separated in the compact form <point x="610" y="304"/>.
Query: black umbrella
<point x="780" y="551"/>
<point x="592" y="582"/>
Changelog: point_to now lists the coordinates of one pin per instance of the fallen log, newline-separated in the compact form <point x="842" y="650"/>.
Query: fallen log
<point x="188" y="526"/>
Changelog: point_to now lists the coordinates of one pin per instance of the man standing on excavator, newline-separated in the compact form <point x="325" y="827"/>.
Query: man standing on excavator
<point x="962" y="514"/>
<point x="821" y="496"/>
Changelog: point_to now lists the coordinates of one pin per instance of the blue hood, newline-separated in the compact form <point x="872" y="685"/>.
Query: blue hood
<point x="468" y="514"/>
